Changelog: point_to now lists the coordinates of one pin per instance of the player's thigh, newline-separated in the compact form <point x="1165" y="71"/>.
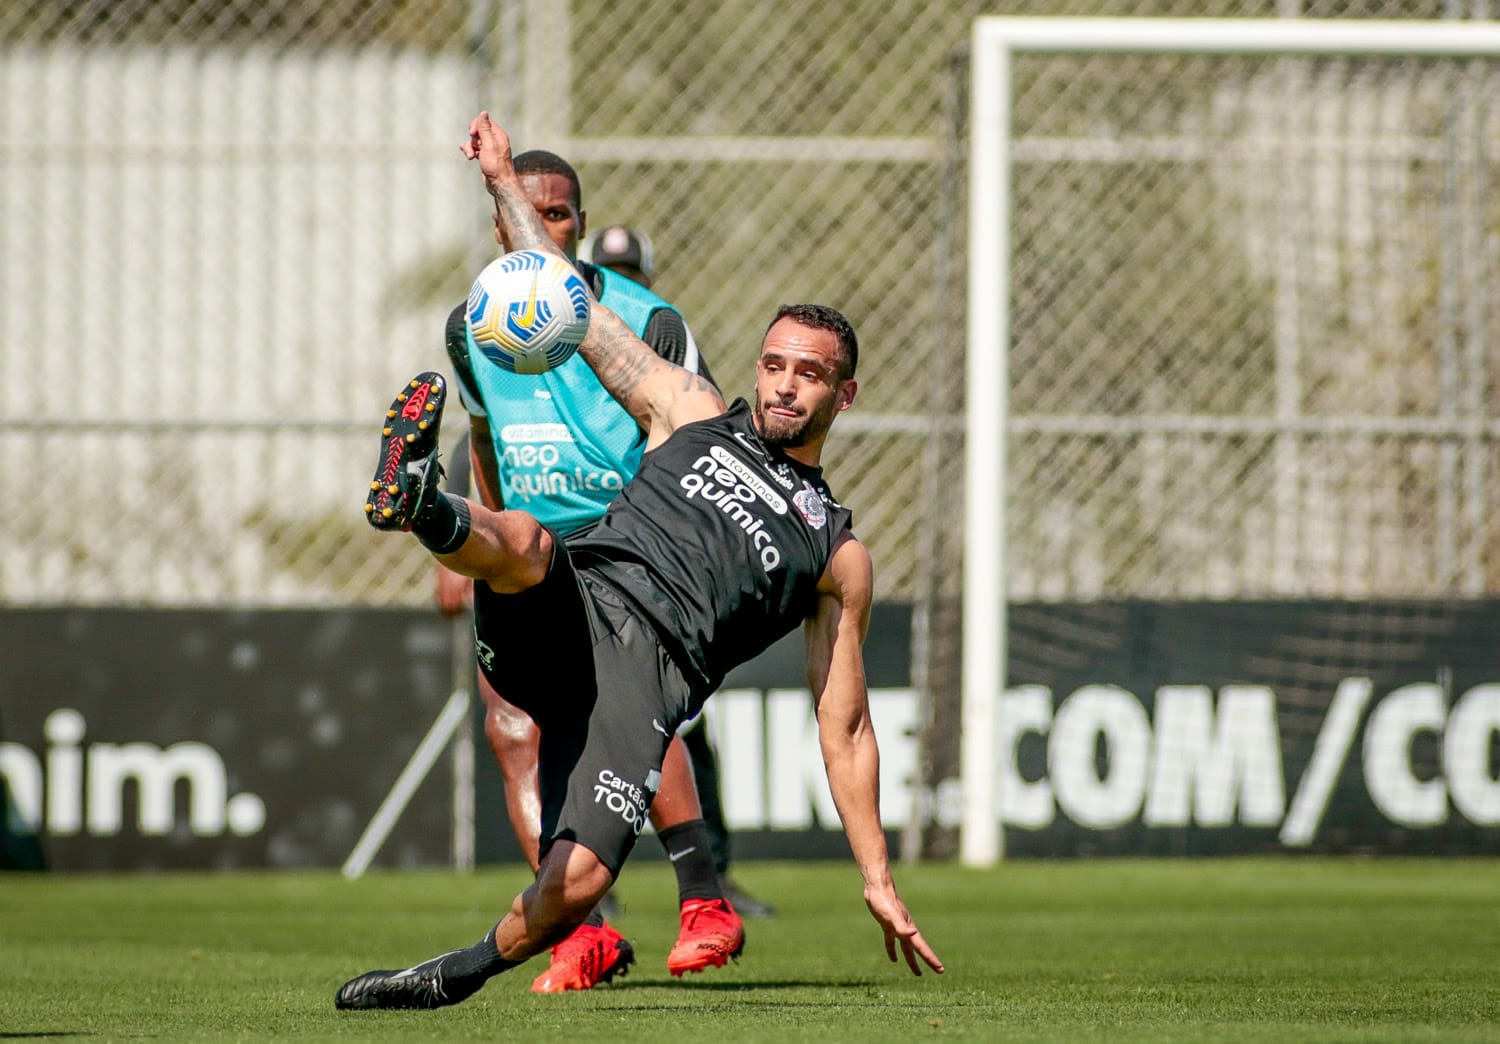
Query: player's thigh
<point x="535" y="648"/>
<point x="614" y="762"/>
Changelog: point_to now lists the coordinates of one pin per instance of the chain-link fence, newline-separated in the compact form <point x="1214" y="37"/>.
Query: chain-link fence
<point x="1252" y="340"/>
<point x="227" y="228"/>
<point x="1251" y="352"/>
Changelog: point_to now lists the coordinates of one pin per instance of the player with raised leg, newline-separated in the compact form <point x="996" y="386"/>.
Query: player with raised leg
<point x="726" y="539"/>
<point x="628" y="252"/>
<point x="558" y="445"/>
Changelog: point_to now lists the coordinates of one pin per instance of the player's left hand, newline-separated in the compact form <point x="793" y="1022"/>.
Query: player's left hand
<point x="887" y="908"/>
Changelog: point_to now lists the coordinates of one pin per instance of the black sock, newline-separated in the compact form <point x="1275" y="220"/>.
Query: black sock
<point x="462" y="972"/>
<point x="688" y="848"/>
<point x="444" y="525"/>
<point x="706" y="779"/>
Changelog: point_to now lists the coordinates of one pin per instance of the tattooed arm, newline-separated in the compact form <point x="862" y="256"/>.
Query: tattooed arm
<point x="659" y="395"/>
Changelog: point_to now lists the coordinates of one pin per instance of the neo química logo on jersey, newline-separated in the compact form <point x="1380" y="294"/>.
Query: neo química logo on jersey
<point x="725" y="481"/>
<point x="542" y="460"/>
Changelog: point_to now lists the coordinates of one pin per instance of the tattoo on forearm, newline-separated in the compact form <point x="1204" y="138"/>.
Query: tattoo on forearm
<point x="520" y="220"/>
<point x="620" y="359"/>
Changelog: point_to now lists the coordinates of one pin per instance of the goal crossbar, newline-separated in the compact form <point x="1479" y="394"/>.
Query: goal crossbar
<point x="995" y="42"/>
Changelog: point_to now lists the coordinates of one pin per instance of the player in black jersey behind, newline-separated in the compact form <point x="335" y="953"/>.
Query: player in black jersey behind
<point x="726" y="539"/>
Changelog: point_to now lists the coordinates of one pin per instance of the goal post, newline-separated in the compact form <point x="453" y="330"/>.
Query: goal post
<point x="996" y="45"/>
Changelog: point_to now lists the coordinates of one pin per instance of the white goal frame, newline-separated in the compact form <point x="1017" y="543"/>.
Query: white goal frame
<point x="995" y="42"/>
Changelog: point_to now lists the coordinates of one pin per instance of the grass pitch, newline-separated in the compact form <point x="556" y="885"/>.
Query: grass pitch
<point x="1106" y="950"/>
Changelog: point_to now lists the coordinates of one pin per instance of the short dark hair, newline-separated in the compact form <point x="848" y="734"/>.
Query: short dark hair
<point x="822" y="317"/>
<point x="540" y="161"/>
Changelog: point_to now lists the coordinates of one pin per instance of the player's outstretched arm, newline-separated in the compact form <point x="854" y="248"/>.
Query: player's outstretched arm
<point x="836" y="673"/>
<point x="658" y="394"/>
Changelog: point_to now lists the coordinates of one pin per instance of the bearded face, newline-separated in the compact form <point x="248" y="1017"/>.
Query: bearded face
<point x="798" y="388"/>
<point x="798" y="429"/>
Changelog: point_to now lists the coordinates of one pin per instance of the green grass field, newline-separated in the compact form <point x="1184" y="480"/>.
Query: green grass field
<point x="1106" y="950"/>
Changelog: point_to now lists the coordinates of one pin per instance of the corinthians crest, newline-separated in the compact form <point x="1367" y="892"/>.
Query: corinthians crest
<point x="810" y="506"/>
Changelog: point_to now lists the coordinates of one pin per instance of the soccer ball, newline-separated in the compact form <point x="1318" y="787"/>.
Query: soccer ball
<point x="528" y="311"/>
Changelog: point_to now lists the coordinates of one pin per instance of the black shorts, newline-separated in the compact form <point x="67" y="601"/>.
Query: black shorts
<point x="607" y="697"/>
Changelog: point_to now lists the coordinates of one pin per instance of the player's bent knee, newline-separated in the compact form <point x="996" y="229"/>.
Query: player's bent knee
<point x="571" y="900"/>
<point x="528" y="549"/>
<point x="572" y="880"/>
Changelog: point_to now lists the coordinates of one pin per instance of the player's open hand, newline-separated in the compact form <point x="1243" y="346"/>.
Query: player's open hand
<point x="890" y="911"/>
<point x="490" y="145"/>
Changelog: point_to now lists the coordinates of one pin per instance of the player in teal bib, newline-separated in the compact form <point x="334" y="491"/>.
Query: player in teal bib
<point x="562" y="445"/>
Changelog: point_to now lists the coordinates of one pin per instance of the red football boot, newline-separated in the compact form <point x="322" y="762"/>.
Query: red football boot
<point x="711" y="934"/>
<point x="584" y="959"/>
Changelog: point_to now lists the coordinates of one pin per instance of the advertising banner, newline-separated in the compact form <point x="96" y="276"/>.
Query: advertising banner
<point x="1148" y="728"/>
<point x="144" y="739"/>
<point x="139" y="739"/>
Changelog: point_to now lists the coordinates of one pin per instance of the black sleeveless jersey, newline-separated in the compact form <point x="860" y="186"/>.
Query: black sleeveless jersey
<point x="720" y="540"/>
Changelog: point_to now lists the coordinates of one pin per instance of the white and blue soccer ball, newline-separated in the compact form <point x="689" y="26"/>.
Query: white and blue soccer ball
<point x="528" y="311"/>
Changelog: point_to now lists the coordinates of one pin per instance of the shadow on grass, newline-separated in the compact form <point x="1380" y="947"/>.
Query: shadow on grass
<point x="744" y="987"/>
